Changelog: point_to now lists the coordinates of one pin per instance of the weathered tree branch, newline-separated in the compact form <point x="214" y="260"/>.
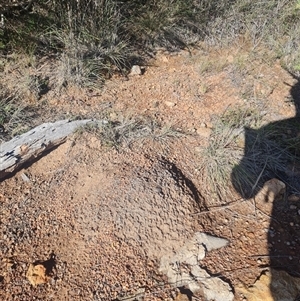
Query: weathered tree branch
<point x="28" y="146"/>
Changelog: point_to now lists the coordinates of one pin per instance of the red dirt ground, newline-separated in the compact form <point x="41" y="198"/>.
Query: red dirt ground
<point x="104" y="216"/>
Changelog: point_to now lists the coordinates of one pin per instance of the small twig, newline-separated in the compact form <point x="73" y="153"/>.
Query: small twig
<point x="259" y="176"/>
<point x="248" y="217"/>
<point x="236" y="202"/>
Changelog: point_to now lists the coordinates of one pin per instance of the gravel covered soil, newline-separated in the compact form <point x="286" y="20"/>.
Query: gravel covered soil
<point x="89" y="221"/>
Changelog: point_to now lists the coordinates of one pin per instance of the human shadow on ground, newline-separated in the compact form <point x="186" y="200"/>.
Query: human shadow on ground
<point x="273" y="151"/>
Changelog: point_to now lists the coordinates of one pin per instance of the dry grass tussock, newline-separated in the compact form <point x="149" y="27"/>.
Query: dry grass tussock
<point x="128" y="130"/>
<point x="50" y="47"/>
<point x="242" y="154"/>
<point x="85" y="43"/>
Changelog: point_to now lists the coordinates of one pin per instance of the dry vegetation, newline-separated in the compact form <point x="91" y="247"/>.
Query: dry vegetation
<point x="52" y="45"/>
<point x="48" y="47"/>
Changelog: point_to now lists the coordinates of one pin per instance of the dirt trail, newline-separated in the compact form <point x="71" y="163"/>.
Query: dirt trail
<point x="108" y="215"/>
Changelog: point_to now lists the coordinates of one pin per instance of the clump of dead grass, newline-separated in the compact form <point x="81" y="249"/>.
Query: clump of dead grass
<point x="15" y="118"/>
<point x="274" y="25"/>
<point x="126" y="131"/>
<point x="60" y="45"/>
<point x="85" y="43"/>
<point x="242" y="154"/>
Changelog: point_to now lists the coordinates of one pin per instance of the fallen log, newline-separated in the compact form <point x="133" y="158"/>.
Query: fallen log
<point x="29" y="146"/>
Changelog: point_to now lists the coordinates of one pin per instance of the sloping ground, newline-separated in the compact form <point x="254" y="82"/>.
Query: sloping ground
<point x="104" y="217"/>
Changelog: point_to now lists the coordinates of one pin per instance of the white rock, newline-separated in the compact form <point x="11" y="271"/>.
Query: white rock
<point x="197" y="278"/>
<point x="135" y="70"/>
<point x="170" y="104"/>
<point x="213" y="288"/>
<point x="211" y="242"/>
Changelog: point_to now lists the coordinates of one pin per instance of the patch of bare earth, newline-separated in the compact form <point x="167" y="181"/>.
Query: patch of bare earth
<point x="105" y="217"/>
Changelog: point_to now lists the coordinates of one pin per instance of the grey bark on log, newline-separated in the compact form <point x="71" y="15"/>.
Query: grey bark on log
<point x="28" y="146"/>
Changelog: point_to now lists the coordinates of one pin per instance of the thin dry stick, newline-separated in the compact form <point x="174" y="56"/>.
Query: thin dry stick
<point x="259" y="176"/>
<point x="236" y="202"/>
